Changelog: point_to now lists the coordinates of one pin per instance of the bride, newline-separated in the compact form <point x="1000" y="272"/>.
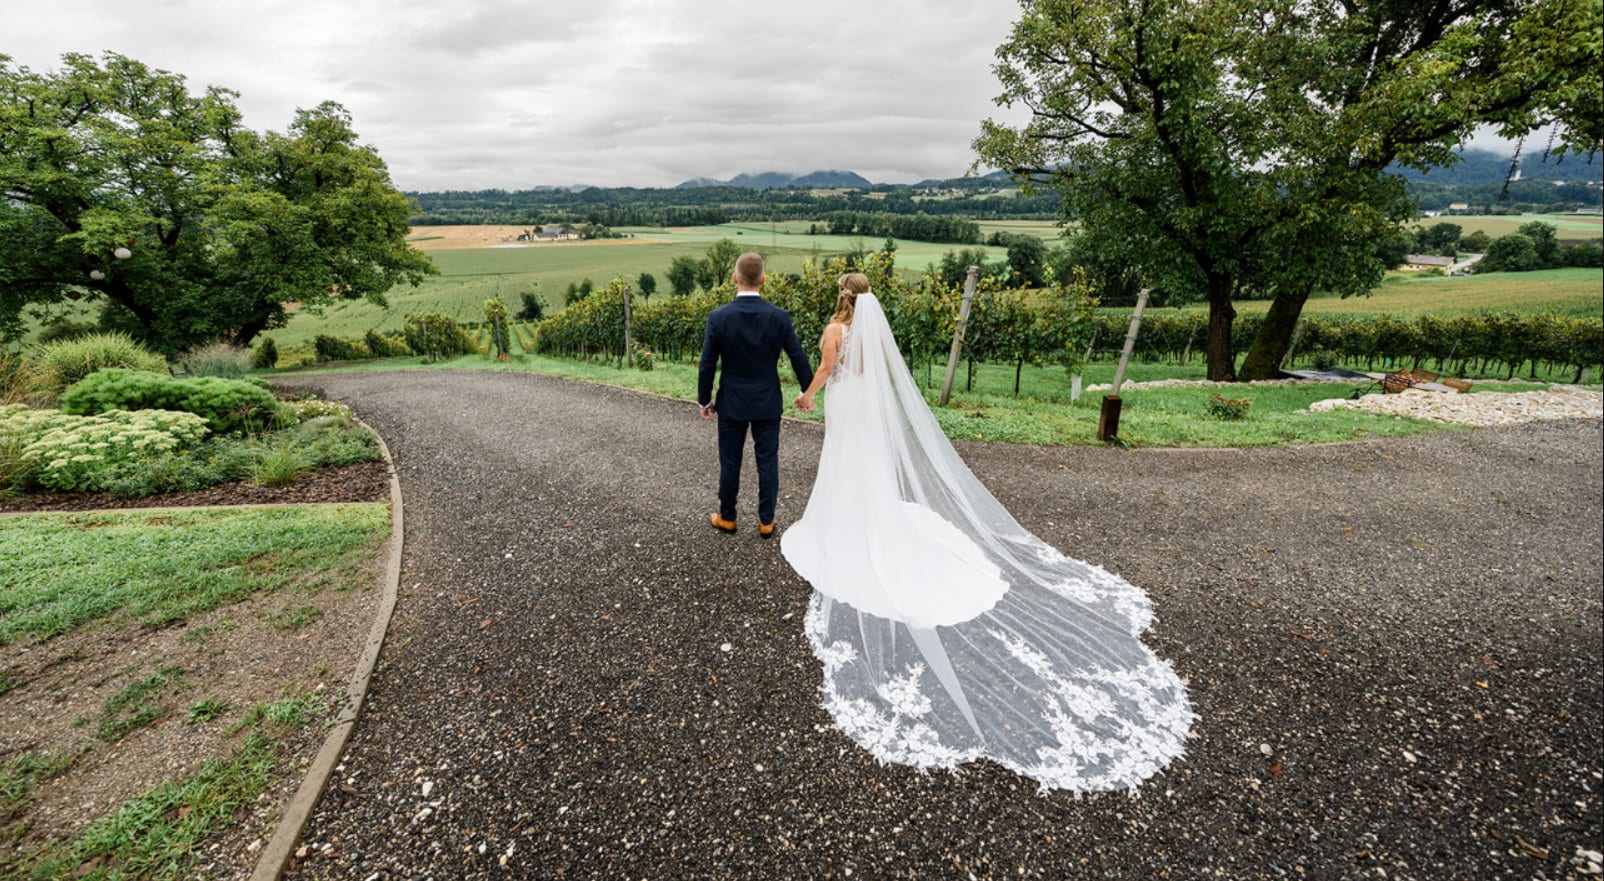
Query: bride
<point x="948" y="632"/>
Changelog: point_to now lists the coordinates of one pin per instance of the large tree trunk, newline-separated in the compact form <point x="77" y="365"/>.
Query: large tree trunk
<point x="1221" y="357"/>
<point x="1275" y="337"/>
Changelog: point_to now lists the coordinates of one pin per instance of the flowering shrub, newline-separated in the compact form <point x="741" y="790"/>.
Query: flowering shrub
<point x="84" y="453"/>
<point x="228" y="405"/>
<point x="316" y="408"/>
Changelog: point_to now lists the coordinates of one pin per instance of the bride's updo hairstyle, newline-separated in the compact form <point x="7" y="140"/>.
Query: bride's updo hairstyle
<point x="850" y="285"/>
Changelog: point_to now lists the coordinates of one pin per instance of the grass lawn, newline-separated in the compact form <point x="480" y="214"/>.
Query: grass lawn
<point x="62" y="571"/>
<point x="1043" y="413"/>
<point x="183" y="729"/>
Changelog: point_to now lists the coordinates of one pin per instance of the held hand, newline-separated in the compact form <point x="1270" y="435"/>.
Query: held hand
<point x="707" y="412"/>
<point x="804" y="403"/>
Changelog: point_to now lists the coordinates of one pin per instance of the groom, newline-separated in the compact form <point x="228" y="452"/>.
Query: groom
<point x="748" y="335"/>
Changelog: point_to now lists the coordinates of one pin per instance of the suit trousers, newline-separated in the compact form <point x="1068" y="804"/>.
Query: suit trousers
<point x="765" y="449"/>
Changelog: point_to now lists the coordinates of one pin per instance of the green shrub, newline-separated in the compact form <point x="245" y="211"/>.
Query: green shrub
<point x="644" y="359"/>
<point x="83" y="453"/>
<point x="221" y="359"/>
<point x="436" y="336"/>
<point x="385" y="345"/>
<point x="280" y="464"/>
<point x="333" y="348"/>
<point x="214" y="460"/>
<point x="347" y="445"/>
<point x="1229" y="409"/>
<point x="266" y="357"/>
<point x="229" y="406"/>
<point x="68" y="361"/>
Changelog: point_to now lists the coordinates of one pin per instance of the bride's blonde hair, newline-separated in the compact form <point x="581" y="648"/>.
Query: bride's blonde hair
<point x="850" y="284"/>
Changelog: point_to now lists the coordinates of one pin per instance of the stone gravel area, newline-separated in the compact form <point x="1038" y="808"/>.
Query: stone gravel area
<point x="1394" y="649"/>
<point x="1485" y="409"/>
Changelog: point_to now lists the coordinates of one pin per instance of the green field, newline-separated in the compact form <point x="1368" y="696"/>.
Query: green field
<point x="1572" y="227"/>
<point x="469" y="277"/>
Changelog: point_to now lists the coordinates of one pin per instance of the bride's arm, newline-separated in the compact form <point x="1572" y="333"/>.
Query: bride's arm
<point x="829" y="344"/>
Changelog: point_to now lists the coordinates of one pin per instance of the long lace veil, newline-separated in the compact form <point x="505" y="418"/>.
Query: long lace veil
<point x="947" y="631"/>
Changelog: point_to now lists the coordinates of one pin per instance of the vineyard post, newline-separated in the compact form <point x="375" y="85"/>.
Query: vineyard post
<point x="1108" y="420"/>
<point x="958" y="333"/>
<point x="1292" y="347"/>
<point x="629" y="347"/>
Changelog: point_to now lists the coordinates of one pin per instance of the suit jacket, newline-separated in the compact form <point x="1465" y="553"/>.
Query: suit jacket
<point x="747" y="335"/>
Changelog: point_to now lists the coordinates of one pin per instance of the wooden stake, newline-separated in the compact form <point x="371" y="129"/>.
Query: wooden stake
<point x="1108" y="419"/>
<point x="958" y="333"/>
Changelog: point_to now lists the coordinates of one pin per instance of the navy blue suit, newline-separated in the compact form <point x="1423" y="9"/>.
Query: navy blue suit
<point x="743" y="343"/>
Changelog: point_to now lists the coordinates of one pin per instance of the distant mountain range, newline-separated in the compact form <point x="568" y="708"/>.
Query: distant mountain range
<point x="1487" y="167"/>
<point x="772" y="179"/>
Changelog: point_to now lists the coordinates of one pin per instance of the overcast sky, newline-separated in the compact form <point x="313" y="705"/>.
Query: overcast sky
<point x="518" y="93"/>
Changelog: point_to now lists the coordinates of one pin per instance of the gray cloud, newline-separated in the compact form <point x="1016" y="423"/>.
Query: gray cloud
<point x="518" y="93"/>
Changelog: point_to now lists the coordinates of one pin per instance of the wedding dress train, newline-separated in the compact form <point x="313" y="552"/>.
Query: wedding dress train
<point x="947" y="631"/>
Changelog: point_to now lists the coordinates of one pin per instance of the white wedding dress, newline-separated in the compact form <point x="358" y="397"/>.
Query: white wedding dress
<point x="948" y="632"/>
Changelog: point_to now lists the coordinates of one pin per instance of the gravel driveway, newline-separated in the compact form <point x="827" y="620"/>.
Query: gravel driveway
<point x="1395" y="652"/>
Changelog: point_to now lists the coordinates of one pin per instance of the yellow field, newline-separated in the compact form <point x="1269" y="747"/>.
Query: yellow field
<point x="1574" y="292"/>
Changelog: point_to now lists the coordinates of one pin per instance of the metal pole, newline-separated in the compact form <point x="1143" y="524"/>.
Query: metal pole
<point x="1108" y="420"/>
<point x="958" y="334"/>
<point x="629" y="348"/>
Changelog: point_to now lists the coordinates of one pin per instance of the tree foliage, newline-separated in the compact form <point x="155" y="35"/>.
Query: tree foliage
<point x="119" y="185"/>
<point x="1243" y="145"/>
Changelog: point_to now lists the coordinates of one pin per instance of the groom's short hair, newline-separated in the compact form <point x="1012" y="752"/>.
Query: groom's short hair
<point x="749" y="269"/>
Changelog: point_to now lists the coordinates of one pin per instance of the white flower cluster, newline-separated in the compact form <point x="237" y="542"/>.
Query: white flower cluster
<point x="75" y="452"/>
<point x="316" y="408"/>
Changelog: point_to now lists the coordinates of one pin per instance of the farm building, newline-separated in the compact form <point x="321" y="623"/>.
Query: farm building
<point x="1427" y="261"/>
<point x="557" y="234"/>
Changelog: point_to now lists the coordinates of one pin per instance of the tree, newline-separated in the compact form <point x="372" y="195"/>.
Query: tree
<point x="683" y="273"/>
<point x="721" y="259"/>
<point x="531" y="307"/>
<point x="1242" y="146"/>
<point x="1027" y="257"/>
<point x="1475" y="243"/>
<point x="646" y="285"/>
<point x="119" y="185"/>
<point x="1515" y="252"/>
<point x="1545" y="242"/>
<point x="1439" y="238"/>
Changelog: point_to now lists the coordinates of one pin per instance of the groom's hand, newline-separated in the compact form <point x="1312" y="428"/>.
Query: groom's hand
<point x="707" y="412"/>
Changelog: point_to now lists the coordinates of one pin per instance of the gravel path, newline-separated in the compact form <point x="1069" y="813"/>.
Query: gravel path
<point x="1395" y="651"/>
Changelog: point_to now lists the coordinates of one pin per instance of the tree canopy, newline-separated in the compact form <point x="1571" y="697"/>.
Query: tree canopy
<point x="119" y="185"/>
<point x="1244" y="145"/>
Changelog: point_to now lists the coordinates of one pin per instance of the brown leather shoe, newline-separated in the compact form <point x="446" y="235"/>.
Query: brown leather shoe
<point x="764" y="530"/>
<point x="723" y="525"/>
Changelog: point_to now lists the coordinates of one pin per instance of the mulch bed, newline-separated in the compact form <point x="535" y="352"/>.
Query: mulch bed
<point x="365" y="482"/>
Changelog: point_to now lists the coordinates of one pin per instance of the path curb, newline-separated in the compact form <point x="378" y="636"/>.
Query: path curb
<point x="275" y="857"/>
